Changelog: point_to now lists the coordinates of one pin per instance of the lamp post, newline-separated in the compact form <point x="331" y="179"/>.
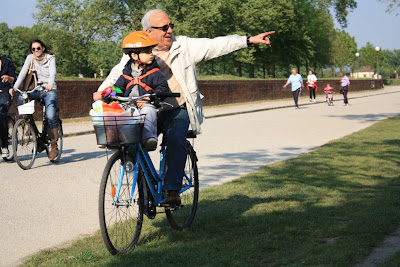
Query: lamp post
<point x="358" y="59"/>
<point x="377" y="61"/>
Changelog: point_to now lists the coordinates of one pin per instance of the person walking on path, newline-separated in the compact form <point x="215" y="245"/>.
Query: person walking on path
<point x="297" y="84"/>
<point x="311" y="85"/>
<point x="177" y="57"/>
<point x="44" y="63"/>
<point x="7" y="78"/>
<point x="344" y="87"/>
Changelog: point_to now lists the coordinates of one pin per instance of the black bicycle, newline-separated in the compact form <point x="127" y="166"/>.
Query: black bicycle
<point x="27" y="141"/>
<point x="10" y="126"/>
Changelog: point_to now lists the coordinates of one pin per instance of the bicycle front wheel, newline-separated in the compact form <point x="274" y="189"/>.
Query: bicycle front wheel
<point x="121" y="220"/>
<point x="24" y="143"/>
<point x="10" y="127"/>
<point x="182" y="217"/>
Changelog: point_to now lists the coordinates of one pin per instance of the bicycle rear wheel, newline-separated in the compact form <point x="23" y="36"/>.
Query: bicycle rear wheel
<point x="120" y="223"/>
<point x="59" y="144"/>
<point x="24" y="143"/>
<point x="10" y="125"/>
<point x="182" y="217"/>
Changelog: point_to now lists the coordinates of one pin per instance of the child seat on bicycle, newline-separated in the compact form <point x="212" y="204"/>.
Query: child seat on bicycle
<point x="141" y="75"/>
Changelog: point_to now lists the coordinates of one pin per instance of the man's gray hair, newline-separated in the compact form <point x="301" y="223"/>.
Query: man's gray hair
<point x="146" y="18"/>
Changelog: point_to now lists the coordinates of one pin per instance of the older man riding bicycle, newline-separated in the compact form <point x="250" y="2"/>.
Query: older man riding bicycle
<point x="177" y="57"/>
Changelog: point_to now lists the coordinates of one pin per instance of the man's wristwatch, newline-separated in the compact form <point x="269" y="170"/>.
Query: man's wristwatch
<point x="248" y="40"/>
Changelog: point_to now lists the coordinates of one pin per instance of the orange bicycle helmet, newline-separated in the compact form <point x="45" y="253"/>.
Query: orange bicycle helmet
<point x="136" y="41"/>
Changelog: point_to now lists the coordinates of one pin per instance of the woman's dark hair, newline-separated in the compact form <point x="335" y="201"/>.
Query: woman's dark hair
<point x="45" y="49"/>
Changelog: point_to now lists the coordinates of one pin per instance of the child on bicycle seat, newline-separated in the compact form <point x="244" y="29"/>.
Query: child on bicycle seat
<point x="140" y="76"/>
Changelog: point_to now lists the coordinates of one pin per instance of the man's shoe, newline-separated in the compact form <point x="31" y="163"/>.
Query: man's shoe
<point x="5" y="153"/>
<point x="150" y="144"/>
<point x="173" y="198"/>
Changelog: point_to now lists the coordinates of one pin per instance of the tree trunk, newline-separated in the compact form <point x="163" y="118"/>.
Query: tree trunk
<point x="263" y="68"/>
<point x="224" y="66"/>
<point x="240" y="69"/>
<point x="307" y="69"/>
<point x="251" y="71"/>
<point x="322" y="71"/>
<point x="271" y="71"/>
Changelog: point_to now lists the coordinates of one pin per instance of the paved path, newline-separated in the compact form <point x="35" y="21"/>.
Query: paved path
<point x="53" y="204"/>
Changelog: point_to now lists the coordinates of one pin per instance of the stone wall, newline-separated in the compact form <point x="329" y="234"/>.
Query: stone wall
<point x="75" y="97"/>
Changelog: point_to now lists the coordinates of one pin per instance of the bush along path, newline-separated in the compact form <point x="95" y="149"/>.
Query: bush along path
<point x="329" y="207"/>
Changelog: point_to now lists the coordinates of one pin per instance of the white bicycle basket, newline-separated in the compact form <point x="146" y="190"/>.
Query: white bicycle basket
<point x="28" y="108"/>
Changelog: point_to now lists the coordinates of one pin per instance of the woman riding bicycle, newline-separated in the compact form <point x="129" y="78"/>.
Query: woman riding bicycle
<point x="7" y="78"/>
<point x="44" y="63"/>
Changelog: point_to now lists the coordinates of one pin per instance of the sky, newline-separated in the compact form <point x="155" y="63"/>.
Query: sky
<point x="369" y="22"/>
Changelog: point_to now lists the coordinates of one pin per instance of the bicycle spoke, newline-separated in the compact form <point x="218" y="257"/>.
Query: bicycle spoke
<point x="120" y="224"/>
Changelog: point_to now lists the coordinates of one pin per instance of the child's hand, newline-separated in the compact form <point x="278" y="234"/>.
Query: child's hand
<point x="97" y="96"/>
<point x="142" y="102"/>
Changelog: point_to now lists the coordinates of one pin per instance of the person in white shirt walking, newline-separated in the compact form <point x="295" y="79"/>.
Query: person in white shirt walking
<point x="311" y="85"/>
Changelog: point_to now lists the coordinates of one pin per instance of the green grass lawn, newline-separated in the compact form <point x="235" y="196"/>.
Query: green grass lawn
<point x="328" y="207"/>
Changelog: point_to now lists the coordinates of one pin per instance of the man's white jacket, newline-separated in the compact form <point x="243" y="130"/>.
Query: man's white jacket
<point x="186" y="53"/>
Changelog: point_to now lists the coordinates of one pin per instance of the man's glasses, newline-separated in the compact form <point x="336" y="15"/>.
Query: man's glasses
<point x="37" y="48"/>
<point x="165" y="27"/>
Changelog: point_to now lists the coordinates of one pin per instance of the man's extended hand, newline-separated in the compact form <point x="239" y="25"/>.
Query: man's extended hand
<point x="261" y="38"/>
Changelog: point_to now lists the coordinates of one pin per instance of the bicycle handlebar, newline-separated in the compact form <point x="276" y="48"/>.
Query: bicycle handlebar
<point x="40" y="87"/>
<point x="133" y="98"/>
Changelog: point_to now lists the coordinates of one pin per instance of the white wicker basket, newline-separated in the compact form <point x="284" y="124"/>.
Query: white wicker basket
<point x="28" y="108"/>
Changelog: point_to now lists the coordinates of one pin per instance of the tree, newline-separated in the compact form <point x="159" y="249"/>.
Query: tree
<point x="11" y="46"/>
<point x="368" y="56"/>
<point x="341" y="7"/>
<point x="344" y="48"/>
<point x="392" y="5"/>
<point x="391" y="63"/>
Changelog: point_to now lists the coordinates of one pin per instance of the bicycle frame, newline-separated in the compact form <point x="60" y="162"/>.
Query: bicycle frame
<point x="41" y="140"/>
<point x="144" y="162"/>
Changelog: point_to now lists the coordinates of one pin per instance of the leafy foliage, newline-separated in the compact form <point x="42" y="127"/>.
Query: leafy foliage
<point x="86" y="35"/>
<point x="11" y="46"/>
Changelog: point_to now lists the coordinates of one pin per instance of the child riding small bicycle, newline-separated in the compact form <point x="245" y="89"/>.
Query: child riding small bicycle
<point x="329" y="93"/>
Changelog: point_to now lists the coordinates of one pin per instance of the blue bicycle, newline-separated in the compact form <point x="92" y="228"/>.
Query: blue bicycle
<point x="131" y="187"/>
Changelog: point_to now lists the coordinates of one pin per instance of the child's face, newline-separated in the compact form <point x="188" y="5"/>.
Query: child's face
<point x="146" y="56"/>
<point x="328" y="85"/>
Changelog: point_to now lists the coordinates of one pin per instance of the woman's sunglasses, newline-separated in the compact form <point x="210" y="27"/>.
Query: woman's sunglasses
<point x="37" y="48"/>
<point x="165" y="27"/>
